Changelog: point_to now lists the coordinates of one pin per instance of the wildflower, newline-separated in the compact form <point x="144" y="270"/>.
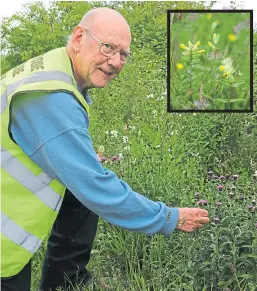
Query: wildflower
<point x="233" y="188"/>
<point x="250" y="207"/>
<point x="101" y="158"/>
<point x="125" y="139"/>
<point x="216" y="38"/>
<point x="190" y="43"/>
<point x="113" y="133"/>
<point x="198" y="43"/>
<point x="255" y="176"/>
<point x="209" y="16"/>
<point x="115" y="159"/>
<point x="218" y="204"/>
<point x="179" y="66"/>
<point x="226" y="74"/>
<point x="197" y="195"/>
<point x="221" y="68"/>
<point x="101" y="149"/>
<point x="222" y="178"/>
<point x="201" y="51"/>
<point x="210" y="44"/>
<point x="183" y="46"/>
<point x="210" y="173"/>
<point x="232" y="37"/>
<point x="220" y="187"/>
<point x="127" y="148"/>
<point x="216" y="220"/>
<point x="202" y="202"/>
<point x="149" y="96"/>
<point x="235" y="177"/>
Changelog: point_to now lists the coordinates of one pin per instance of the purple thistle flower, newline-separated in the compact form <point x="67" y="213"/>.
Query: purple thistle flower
<point x="216" y="220"/>
<point x="202" y="202"/>
<point x="219" y="187"/>
<point x="250" y="207"/>
<point x="218" y="204"/>
<point x="115" y="158"/>
<point x="222" y="178"/>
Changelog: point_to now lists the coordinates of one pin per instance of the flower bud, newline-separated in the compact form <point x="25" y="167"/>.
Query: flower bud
<point x="183" y="46"/>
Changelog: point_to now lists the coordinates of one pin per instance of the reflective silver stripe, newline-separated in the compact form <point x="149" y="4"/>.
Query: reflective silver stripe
<point x="21" y="174"/>
<point x="45" y="178"/>
<point x="18" y="235"/>
<point x="4" y="102"/>
<point x="36" y="77"/>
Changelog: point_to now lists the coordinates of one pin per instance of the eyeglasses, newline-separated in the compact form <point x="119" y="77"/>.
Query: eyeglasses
<point x="110" y="50"/>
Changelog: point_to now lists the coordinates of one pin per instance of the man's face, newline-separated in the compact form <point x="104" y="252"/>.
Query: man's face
<point x="94" y="69"/>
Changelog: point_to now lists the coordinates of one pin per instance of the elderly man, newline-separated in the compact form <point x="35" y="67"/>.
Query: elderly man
<point x="46" y="148"/>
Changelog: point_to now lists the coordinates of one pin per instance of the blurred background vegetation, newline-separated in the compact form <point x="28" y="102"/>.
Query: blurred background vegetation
<point x="233" y="41"/>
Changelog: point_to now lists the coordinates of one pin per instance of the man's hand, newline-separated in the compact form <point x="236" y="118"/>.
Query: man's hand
<point x="191" y="219"/>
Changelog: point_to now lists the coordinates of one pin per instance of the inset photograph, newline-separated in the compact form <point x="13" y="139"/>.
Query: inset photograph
<point x="210" y="65"/>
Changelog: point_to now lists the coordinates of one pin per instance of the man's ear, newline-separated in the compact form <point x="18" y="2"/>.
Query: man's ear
<point x="77" y="38"/>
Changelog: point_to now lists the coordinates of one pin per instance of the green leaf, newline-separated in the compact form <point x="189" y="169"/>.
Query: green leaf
<point x="236" y="100"/>
<point x="221" y="100"/>
<point x="238" y="84"/>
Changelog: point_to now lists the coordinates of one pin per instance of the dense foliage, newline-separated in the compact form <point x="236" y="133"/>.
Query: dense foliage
<point x="162" y="155"/>
<point x="210" y="61"/>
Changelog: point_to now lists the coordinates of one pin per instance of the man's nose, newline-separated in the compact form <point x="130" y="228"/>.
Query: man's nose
<point x="115" y="60"/>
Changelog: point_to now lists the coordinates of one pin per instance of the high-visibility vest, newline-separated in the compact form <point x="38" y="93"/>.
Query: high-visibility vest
<point x="30" y="198"/>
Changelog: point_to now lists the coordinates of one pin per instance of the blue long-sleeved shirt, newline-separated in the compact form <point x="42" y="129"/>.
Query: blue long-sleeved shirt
<point x="52" y="129"/>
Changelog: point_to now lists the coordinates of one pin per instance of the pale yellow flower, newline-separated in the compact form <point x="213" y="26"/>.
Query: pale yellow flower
<point x="232" y="37"/>
<point x="198" y="43"/>
<point x="183" y="46"/>
<point x="221" y="68"/>
<point x="179" y="66"/>
<point x="201" y="51"/>
<point x="210" y="44"/>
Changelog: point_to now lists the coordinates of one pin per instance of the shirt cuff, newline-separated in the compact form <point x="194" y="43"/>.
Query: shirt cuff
<point x="172" y="215"/>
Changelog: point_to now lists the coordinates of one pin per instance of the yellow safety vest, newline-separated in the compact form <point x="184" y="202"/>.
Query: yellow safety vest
<point x="30" y="198"/>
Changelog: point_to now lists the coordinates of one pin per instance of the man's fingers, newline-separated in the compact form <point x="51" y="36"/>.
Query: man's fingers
<point x="204" y="220"/>
<point x="203" y="212"/>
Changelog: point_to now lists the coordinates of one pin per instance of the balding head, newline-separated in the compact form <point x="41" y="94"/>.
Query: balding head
<point x="98" y="30"/>
<point x="103" y="15"/>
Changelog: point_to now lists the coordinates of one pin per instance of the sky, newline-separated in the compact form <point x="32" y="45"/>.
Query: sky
<point x="7" y="8"/>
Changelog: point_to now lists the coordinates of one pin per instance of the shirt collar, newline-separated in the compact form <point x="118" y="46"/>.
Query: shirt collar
<point x="86" y="96"/>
